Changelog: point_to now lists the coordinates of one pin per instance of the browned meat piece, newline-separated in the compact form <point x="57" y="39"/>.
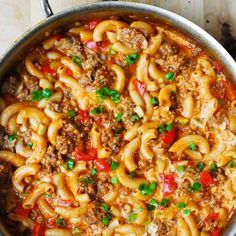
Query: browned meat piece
<point x="5" y="144"/>
<point x="93" y="60"/>
<point x="95" y="79"/>
<point x="132" y="38"/>
<point x="110" y="133"/>
<point x="5" y="171"/>
<point x="68" y="137"/>
<point x="70" y="46"/>
<point x="55" y="106"/>
<point x="126" y="107"/>
<point x="52" y="160"/>
<point x="30" y="83"/>
<point x="169" y="59"/>
<point x="11" y="86"/>
<point x="37" y="216"/>
<point x="103" y="184"/>
<point x="93" y="220"/>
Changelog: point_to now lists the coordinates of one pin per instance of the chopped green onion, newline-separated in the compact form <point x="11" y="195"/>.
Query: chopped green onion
<point x="186" y="212"/>
<point x="105" y="207"/>
<point x="70" y="164"/>
<point x="105" y="92"/>
<point x="231" y="164"/>
<point x="47" y="93"/>
<point x="114" y="180"/>
<point x="60" y="222"/>
<point x="181" y="205"/>
<point x="192" y="146"/>
<point x="88" y="180"/>
<point x="132" y="58"/>
<point x="213" y="167"/>
<point x="77" y="60"/>
<point x="196" y="186"/>
<point x="170" y="76"/>
<point x="200" y="166"/>
<point x="132" y="174"/>
<point x="47" y="195"/>
<point x="169" y="127"/>
<point x="12" y="136"/>
<point x="30" y="145"/>
<point x="152" y="205"/>
<point x="37" y="95"/>
<point x="96" y="110"/>
<point x="71" y="114"/>
<point x="112" y="51"/>
<point x="93" y="172"/>
<point x="135" y="117"/>
<point x="114" y="165"/>
<point x="161" y="129"/>
<point x="119" y="116"/>
<point x="147" y="189"/>
<point x="181" y="168"/>
<point x="164" y="202"/>
<point x="76" y="231"/>
<point x="132" y="217"/>
<point x="154" y="101"/>
<point x="105" y="220"/>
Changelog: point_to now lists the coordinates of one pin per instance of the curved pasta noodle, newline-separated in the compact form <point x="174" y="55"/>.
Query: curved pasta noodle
<point x="129" y="152"/>
<point x="112" y="195"/>
<point x="23" y="150"/>
<point x="76" y="70"/>
<point x="155" y="72"/>
<point x="56" y="97"/>
<point x="69" y="212"/>
<point x="58" y="232"/>
<point x="105" y="26"/>
<point x="40" y="144"/>
<point x="126" y="180"/>
<point x="154" y="44"/>
<point x="13" y="158"/>
<point x="183" y="229"/>
<point x="130" y="229"/>
<point x="21" y="173"/>
<point x="183" y="143"/>
<point x="120" y="77"/>
<point x="37" y="191"/>
<point x="53" y="130"/>
<point x="121" y="48"/>
<point x="131" y="132"/>
<point x="143" y="26"/>
<point x="164" y="95"/>
<point x="135" y="96"/>
<point x="84" y="34"/>
<point x="45" y="208"/>
<point x="188" y="106"/>
<point x="146" y="137"/>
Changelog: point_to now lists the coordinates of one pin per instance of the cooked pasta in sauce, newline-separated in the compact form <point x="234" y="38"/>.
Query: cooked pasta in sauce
<point x="118" y="127"/>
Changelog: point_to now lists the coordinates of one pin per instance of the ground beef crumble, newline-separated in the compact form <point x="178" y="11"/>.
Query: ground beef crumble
<point x="132" y="38"/>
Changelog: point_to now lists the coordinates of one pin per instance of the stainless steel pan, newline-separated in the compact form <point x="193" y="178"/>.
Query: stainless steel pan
<point x="103" y="9"/>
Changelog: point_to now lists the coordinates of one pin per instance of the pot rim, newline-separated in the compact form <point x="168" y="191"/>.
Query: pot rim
<point x="186" y="26"/>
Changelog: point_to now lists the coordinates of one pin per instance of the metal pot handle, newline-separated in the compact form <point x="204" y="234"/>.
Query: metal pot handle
<point x="48" y="10"/>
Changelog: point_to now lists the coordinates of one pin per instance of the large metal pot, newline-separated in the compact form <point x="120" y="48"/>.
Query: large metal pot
<point x="62" y="19"/>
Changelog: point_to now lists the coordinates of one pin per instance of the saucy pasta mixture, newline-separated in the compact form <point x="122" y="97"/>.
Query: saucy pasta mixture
<point x="117" y="127"/>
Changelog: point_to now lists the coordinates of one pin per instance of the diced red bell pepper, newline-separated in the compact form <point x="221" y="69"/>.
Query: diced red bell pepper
<point x="22" y="212"/>
<point x="58" y="37"/>
<point x="140" y="87"/>
<point x="83" y="116"/>
<point x="216" y="232"/>
<point x="38" y="230"/>
<point x="79" y="147"/>
<point x="212" y="217"/>
<point x="230" y="90"/>
<point x="68" y="72"/>
<point x="90" y="155"/>
<point x="191" y="163"/>
<point x="169" y="184"/>
<point x="91" y="44"/>
<point x="205" y="179"/>
<point x="51" y="223"/>
<point x="98" y="120"/>
<point x="92" y="24"/>
<point x="169" y="136"/>
<point x="102" y="165"/>
<point x="47" y="70"/>
<point x="64" y="203"/>
<point x="218" y="67"/>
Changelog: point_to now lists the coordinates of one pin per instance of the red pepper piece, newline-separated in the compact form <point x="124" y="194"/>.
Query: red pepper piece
<point x="216" y="232"/>
<point x="47" y="70"/>
<point x="92" y="24"/>
<point x="83" y="116"/>
<point x="140" y="87"/>
<point x="205" y="179"/>
<point x="102" y="165"/>
<point x="169" y="184"/>
<point x="212" y="217"/>
<point x="22" y="212"/>
<point x="91" y="44"/>
<point x="169" y="136"/>
<point x="91" y="155"/>
<point x="38" y="230"/>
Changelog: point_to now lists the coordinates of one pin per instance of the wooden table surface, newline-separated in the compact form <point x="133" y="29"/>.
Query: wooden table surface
<point x="17" y="16"/>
